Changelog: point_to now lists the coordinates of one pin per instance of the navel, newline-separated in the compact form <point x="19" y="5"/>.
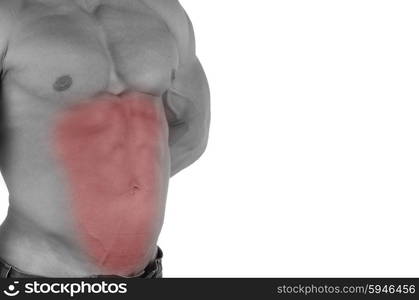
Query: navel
<point x="63" y="83"/>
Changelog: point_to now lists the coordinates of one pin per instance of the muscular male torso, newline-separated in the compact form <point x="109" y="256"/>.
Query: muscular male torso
<point x="101" y="102"/>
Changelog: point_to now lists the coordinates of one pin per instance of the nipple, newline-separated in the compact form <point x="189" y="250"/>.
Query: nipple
<point x="63" y="83"/>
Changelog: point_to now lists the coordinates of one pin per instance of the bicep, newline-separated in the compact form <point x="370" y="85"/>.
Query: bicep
<point x="188" y="103"/>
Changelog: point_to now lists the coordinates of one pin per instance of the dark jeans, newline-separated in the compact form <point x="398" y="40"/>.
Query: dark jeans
<point x="153" y="270"/>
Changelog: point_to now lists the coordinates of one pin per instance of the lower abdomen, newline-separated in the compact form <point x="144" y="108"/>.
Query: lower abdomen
<point x="114" y="155"/>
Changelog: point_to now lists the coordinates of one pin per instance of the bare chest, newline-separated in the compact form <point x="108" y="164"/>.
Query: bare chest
<point x="65" y="52"/>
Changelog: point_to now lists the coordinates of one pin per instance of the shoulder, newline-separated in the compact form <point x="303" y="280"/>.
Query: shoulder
<point x="172" y="12"/>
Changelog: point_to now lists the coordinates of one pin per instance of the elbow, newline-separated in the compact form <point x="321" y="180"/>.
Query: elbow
<point x="188" y="156"/>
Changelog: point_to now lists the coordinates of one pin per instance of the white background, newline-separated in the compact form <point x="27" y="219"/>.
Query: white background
<point x="313" y="163"/>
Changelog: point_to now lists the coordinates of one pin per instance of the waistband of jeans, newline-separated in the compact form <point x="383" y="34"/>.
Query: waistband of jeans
<point x="152" y="269"/>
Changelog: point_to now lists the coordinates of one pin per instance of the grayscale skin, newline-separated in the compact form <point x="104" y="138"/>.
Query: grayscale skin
<point x="38" y="235"/>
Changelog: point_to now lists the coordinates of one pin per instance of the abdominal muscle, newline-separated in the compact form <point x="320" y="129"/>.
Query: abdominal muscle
<point x="112" y="153"/>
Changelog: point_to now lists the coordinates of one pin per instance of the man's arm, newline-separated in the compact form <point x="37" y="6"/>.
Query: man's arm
<point x="8" y="10"/>
<point x="188" y="100"/>
<point x="3" y="34"/>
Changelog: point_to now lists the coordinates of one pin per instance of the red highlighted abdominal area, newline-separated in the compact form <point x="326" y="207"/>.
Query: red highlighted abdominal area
<point x="114" y="155"/>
